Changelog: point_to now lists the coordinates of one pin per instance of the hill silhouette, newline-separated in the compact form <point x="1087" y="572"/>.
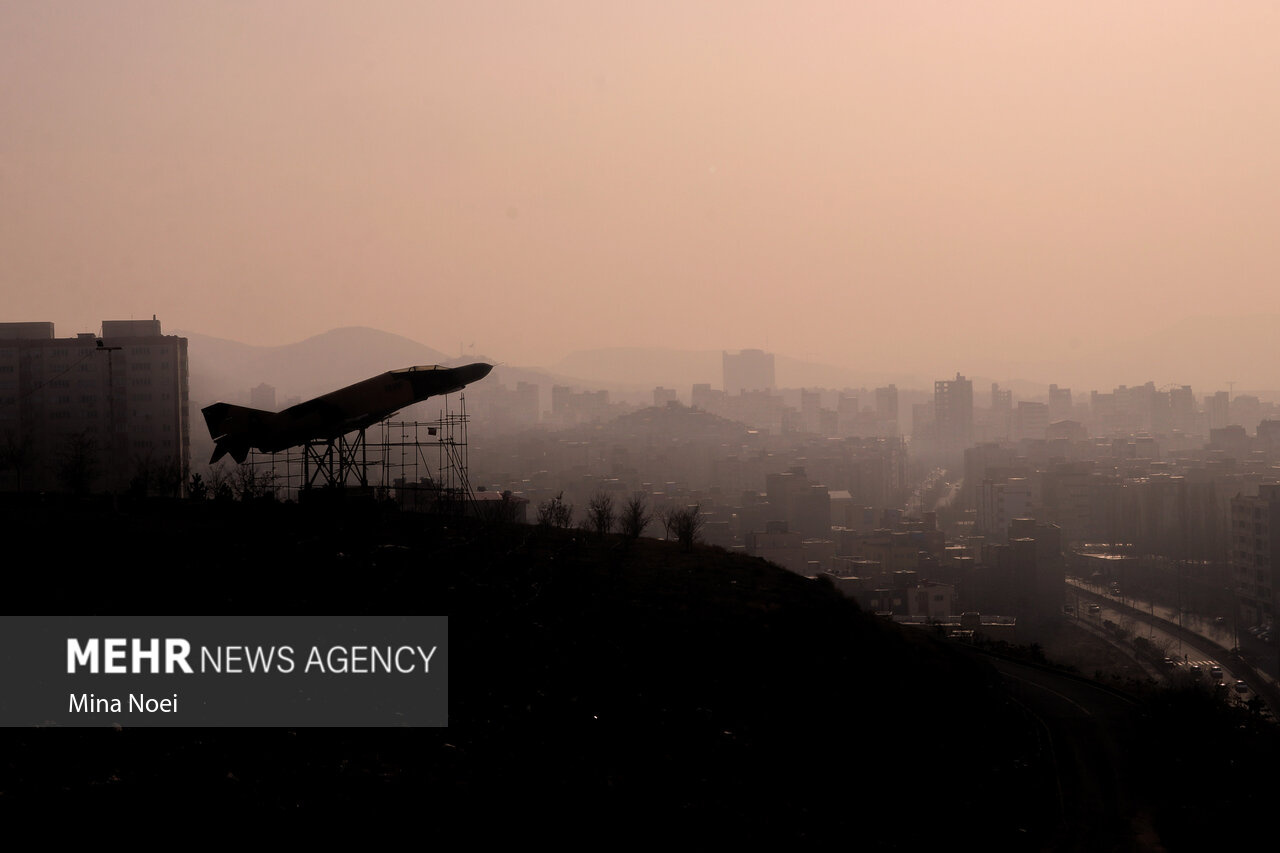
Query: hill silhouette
<point x="321" y="363"/>
<point x="596" y="686"/>
<point x="225" y="370"/>
<point x="630" y="681"/>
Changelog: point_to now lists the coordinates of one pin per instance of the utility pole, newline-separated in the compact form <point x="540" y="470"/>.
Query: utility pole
<point x="112" y="429"/>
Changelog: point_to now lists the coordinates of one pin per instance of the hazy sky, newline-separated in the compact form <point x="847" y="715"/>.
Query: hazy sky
<point x="851" y="182"/>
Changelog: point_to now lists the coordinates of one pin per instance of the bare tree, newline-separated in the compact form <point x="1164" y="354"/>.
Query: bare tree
<point x="685" y="524"/>
<point x="144" y="475"/>
<point x="16" y="452"/>
<point x="220" y="484"/>
<point x="79" y="466"/>
<point x="555" y="513"/>
<point x="635" y="516"/>
<point x="196" y="489"/>
<point x="170" y="475"/>
<point x="600" y="515"/>
<point x="249" y="484"/>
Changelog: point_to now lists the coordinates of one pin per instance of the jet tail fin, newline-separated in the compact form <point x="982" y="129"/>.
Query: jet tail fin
<point x="233" y="429"/>
<point x="238" y="451"/>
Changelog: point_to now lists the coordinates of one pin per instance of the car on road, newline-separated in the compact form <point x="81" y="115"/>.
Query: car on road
<point x="1242" y="688"/>
<point x="1094" y="609"/>
<point x="1215" y="672"/>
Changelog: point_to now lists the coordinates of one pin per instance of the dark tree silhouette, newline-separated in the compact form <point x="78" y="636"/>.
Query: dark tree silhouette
<point x="79" y="466"/>
<point x="196" y="489"/>
<point x="635" y="516"/>
<point x="600" y="514"/>
<point x="220" y="484"/>
<point x="685" y="524"/>
<point x="555" y="512"/>
<point x="249" y="485"/>
<point x="16" y="452"/>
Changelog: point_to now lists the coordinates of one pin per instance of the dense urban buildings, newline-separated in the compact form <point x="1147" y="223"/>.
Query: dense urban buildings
<point x="821" y="484"/>
<point x="819" y="480"/>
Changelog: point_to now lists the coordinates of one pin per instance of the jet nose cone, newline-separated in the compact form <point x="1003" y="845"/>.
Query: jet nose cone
<point x="475" y="372"/>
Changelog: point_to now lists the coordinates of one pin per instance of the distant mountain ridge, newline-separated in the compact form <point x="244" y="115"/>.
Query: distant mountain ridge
<point x="226" y="370"/>
<point x="223" y="369"/>
<point x="1208" y="352"/>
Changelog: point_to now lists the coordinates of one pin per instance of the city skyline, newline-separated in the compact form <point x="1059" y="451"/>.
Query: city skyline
<point x="623" y="367"/>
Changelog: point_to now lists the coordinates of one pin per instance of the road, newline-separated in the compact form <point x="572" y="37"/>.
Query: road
<point x="1204" y="644"/>
<point x="1089" y="798"/>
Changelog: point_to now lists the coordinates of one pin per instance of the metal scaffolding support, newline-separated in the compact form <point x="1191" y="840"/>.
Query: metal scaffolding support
<point x="422" y="465"/>
<point x="334" y="463"/>
<point x="417" y="484"/>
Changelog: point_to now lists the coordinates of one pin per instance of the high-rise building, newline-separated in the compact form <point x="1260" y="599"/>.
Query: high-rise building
<point x="810" y="406"/>
<point x="1059" y="403"/>
<point x="263" y="397"/>
<point x="1182" y="401"/>
<point x="1001" y="401"/>
<point x="93" y="413"/>
<point x="749" y="370"/>
<point x="1218" y="409"/>
<point x="663" y="396"/>
<point x="1246" y="410"/>
<point x="887" y="408"/>
<point x="953" y="412"/>
<point x="1030" y="420"/>
<point x="999" y="503"/>
<point x="1255" y="553"/>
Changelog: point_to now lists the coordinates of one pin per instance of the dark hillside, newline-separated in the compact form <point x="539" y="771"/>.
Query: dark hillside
<point x="590" y="681"/>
